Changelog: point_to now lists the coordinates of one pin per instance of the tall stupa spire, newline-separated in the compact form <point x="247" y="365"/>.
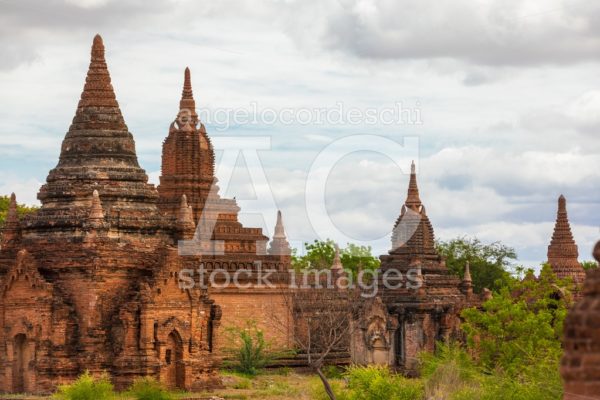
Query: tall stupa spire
<point x="562" y="251"/>
<point x="279" y="245"/>
<point x="413" y="233"/>
<point x="97" y="153"/>
<point x="187" y="104"/>
<point x="188" y="158"/>
<point x="98" y="135"/>
<point x="413" y="200"/>
<point x="98" y="96"/>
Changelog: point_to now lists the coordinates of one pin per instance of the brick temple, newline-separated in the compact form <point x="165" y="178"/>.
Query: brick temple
<point x="90" y="281"/>
<point x="401" y="322"/>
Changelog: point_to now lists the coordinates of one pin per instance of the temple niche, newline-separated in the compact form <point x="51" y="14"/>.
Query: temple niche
<point x="373" y="338"/>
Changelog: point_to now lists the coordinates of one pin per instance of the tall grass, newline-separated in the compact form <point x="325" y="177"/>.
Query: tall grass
<point x="148" y="389"/>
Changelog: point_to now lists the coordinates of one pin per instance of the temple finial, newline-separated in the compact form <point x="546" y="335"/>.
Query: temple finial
<point x="562" y="204"/>
<point x="467" y="275"/>
<point x="187" y="105"/>
<point x="96" y="213"/>
<point x="98" y="48"/>
<point x="98" y="98"/>
<point x="413" y="200"/>
<point x="337" y="262"/>
<point x="279" y="230"/>
<point x="466" y="285"/>
<point x="11" y="231"/>
<point x="185" y="219"/>
<point x="12" y="217"/>
<point x="187" y="83"/>
<point x="279" y="245"/>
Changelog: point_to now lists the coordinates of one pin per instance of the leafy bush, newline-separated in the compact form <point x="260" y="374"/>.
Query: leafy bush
<point x="449" y="372"/>
<point x="251" y="355"/>
<point x="372" y="383"/>
<point x="452" y="374"/>
<point x="243" y="383"/>
<point x="338" y="387"/>
<point x="148" y="389"/>
<point x="521" y="326"/>
<point x="248" y="350"/>
<point x="490" y="263"/>
<point x="86" y="387"/>
<point x="378" y="383"/>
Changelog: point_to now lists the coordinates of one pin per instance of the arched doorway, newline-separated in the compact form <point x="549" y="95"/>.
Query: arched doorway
<point x="20" y="363"/>
<point x="175" y="368"/>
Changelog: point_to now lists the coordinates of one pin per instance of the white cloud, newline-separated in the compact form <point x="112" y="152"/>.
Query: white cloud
<point x="507" y="93"/>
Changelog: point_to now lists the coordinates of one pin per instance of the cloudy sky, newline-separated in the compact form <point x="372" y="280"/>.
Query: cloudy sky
<point x="502" y="99"/>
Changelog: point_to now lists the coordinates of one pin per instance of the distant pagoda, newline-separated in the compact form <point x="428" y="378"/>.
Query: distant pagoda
<point x="562" y="251"/>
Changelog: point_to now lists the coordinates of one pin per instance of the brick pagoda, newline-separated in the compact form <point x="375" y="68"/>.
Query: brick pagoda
<point x="401" y="322"/>
<point x="90" y="281"/>
<point x="562" y="251"/>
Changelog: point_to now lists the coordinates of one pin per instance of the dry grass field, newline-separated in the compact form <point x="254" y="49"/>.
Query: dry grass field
<point x="280" y="385"/>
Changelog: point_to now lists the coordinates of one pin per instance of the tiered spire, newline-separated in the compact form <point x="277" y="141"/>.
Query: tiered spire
<point x="97" y="148"/>
<point x="413" y="201"/>
<point x="413" y="233"/>
<point x="562" y="251"/>
<point x="188" y="158"/>
<point x="98" y="110"/>
<point x="187" y="104"/>
<point x="98" y="107"/>
<point x="279" y="245"/>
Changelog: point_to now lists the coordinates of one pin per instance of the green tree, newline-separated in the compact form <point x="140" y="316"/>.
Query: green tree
<point x="356" y="257"/>
<point x="589" y="265"/>
<point x="513" y="345"/>
<point x="320" y="254"/>
<point x="520" y="328"/>
<point x="21" y="209"/>
<point x="489" y="263"/>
